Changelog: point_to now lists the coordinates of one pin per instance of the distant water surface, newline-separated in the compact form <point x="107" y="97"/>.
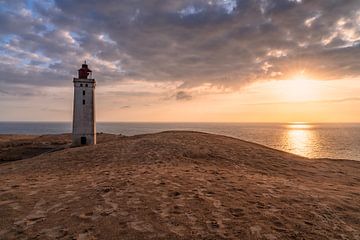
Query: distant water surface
<point x="340" y="141"/>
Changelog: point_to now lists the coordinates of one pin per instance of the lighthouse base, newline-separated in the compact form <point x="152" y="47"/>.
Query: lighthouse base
<point x="83" y="139"/>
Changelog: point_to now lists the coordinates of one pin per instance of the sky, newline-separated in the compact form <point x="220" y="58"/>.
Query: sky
<point x="183" y="60"/>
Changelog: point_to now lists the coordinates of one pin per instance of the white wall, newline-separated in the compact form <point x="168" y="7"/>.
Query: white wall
<point x="84" y="114"/>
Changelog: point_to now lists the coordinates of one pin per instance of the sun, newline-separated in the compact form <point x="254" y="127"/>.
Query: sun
<point x="300" y="88"/>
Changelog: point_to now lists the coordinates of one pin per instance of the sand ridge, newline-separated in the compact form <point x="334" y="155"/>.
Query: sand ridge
<point x="178" y="185"/>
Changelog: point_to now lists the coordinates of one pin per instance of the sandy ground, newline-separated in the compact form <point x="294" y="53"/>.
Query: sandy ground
<point x="17" y="147"/>
<point x="178" y="185"/>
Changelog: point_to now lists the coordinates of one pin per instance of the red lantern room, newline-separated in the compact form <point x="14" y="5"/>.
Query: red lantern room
<point x="84" y="71"/>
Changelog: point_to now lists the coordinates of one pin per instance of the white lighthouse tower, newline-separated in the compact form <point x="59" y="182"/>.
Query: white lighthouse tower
<point x="84" y="126"/>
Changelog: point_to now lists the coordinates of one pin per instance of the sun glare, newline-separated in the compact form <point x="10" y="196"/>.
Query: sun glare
<point x="298" y="125"/>
<point x="300" y="88"/>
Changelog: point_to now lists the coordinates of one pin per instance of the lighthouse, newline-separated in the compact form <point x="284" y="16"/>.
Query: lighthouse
<point x="84" y="126"/>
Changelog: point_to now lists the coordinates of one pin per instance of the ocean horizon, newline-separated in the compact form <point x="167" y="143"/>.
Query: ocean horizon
<point x="313" y="140"/>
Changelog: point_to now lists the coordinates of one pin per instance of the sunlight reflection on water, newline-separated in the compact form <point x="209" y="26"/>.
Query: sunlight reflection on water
<point x="300" y="139"/>
<point x="300" y="125"/>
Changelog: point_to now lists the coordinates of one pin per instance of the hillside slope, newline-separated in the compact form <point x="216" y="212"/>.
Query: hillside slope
<point x="178" y="185"/>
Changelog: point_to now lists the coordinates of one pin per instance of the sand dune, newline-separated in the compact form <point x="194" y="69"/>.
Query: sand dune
<point x="176" y="185"/>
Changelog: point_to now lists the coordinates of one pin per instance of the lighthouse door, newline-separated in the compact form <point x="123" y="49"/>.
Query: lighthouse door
<point x="83" y="140"/>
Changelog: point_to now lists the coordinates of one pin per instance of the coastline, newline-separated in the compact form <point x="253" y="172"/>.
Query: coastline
<point x="65" y="140"/>
<point x="335" y="140"/>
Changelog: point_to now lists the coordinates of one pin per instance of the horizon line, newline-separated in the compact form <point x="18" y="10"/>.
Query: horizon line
<point x="255" y="122"/>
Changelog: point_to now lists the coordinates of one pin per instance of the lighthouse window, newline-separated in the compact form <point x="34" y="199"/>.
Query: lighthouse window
<point x="86" y="85"/>
<point x="84" y="102"/>
<point x="81" y="84"/>
<point x="83" y="92"/>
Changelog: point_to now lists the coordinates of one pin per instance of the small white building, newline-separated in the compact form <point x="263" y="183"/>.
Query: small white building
<point x="84" y="125"/>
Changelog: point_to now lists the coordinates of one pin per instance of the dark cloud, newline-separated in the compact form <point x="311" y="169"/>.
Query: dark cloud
<point x="181" y="95"/>
<point x="224" y="43"/>
<point x="2" y="92"/>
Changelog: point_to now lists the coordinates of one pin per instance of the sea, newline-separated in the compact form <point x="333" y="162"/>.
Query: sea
<point x="320" y="140"/>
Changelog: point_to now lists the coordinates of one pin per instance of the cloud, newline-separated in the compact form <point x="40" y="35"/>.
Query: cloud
<point x="2" y="92"/>
<point x="341" y="100"/>
<point x="225" y="43"/>
<point x="181" y="96"/>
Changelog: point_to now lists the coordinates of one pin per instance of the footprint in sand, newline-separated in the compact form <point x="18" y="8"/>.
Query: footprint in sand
<point x="133" y="201"/>
<point x="194" y="224"/>
<point x="141" y="226"/>
<point x="54" y="233"/>
<point x="87" y="216"/>
<point x="255" y="230"/>
<point x="67" y="194"/>
<point x="110" y="207"/>
<point x="177" y="229"/>
<point x="270" y="236"/>
<point x="15" y="206"/>
<point x="214" y="225"/>
<point x="123" y="213"/>
<point x="36" y="215"/>
<point x="109" y="202"/>
<point x="2" y="233"/>
<point x="237" y="212"/>
<point x="164" y="210"/>
<point x="6" y="202"/>
<point x="33" y="192"/>
<point x="57" y="207"/>
<point x="73" y="199"/>
<point x="85" y="236"/>
<point x="31" y="219"/>
<point x="192" y="219"/>
<point x="216" y="203"/>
